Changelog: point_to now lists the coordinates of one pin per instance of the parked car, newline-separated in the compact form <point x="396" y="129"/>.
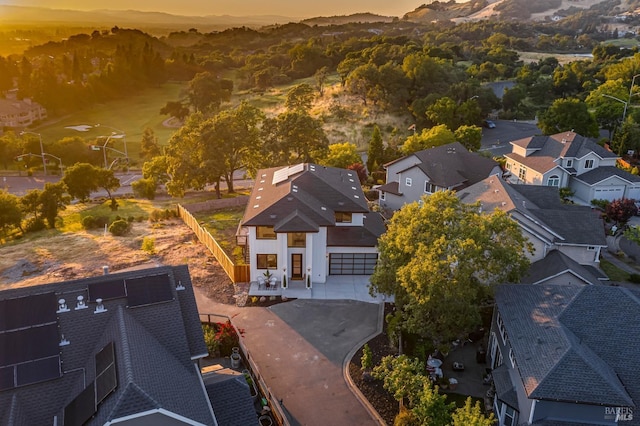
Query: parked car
<point x="489" y="124"/>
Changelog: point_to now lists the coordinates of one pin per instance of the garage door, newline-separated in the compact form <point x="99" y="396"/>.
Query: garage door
<point x="609" y="193"/>
<point x="352" y="263"/>
<point x="633" y="193"/>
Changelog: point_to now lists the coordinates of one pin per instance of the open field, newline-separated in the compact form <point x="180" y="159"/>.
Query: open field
<point x="222" y="225"/>
<point x="562" y="58"/>
<point x="131" y="115"/>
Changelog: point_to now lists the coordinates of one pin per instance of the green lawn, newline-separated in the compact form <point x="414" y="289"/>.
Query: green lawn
<point x="613" y="272"/>
<point x="72" y="217"/>
<point x="222" y="225"/>
<point x="131" y="115"/>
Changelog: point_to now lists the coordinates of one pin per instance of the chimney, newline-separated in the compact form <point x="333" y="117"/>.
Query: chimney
<point x="99" y="307"/>
<point x="80" y="304"/>
<point x="62" y="306"/>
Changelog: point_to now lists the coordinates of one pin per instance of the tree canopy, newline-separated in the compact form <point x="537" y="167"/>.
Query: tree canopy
<point x="456" y="254"/>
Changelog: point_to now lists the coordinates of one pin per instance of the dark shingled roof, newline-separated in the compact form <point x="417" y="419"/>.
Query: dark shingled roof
<point x="155" y="346"/>
<point x="391" y="187"/>
<point x="556" y="263"/>
<point x="505" y="390"/>
<point x="453" y="166"/>
<point x="231" y="401"/>
<point x="574" y="343"/>
<point x="357" y="236"/>
<point x="317" y="192"/>
<point x="599" y="174"/>
<point x="574" y="224"/>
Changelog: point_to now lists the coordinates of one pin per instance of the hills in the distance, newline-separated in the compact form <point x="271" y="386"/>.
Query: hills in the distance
<point x="428" y="12"/>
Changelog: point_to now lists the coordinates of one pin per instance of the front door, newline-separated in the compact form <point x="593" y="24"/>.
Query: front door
<point x="296" y="266"/>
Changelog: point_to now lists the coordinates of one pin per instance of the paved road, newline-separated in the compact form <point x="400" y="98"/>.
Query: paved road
<point x="300" y="347"/>
<point x="19" y="185"/>
<point x="497" y="140"/>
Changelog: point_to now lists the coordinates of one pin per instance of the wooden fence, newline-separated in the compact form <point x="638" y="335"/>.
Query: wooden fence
<point x="237" y="273"/>
<point x="277" y="410"/>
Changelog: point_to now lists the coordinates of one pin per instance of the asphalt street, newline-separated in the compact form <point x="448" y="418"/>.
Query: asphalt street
<point x="497" y="140"/>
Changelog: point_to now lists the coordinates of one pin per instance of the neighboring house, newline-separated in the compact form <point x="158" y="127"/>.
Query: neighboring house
<point x="565" y="354"/>
<point x="20" y="113"/>
<point x="576" y="231"/>
<point x="424" y="172"/>
<point x="114" y="349"/>
<point x="569" y="160"/>
<point x="310" y="221"/>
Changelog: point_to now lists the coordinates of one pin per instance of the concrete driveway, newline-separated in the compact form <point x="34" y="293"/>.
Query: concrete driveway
<point x="301" y="348"/>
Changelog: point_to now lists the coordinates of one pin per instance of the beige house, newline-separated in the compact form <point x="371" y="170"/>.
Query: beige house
<point x="19" y="113"/>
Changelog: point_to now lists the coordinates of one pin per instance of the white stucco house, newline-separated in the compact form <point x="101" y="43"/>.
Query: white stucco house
<point x="446" y="167"/>
<point x="568" y="159"/>
<point x="309" y="222"/>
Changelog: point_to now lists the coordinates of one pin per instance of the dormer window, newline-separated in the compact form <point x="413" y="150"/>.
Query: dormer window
<point x="265" y="233"/>
<point x="588" y="164"/>
<point x="569" y="163"/>
<point x="343" y="217"/>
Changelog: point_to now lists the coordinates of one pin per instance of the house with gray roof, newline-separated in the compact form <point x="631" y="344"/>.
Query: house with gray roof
<point x="568" y="159"/>
<point x="565" y="355"/>
<point x="307" y="222"/>
<point x="119" y="348"/>
<point x="577" y="232"/>
<point x="446" y="167"/>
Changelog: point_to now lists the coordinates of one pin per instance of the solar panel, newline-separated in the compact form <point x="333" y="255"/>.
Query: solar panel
<point x="105" y="358"/>
<point x="149" y="290"/>
<point x="7" y="378"/>
<point x="78" y="411"/>
<point x="27" y="311"/>
<point x="38" y="371"/>
<point x="296" y="169"/>
<point x="107" y="290"/>
<point x="280" y="175"/>
<point x="28" y="344"/>
<point x="106" y="383"/>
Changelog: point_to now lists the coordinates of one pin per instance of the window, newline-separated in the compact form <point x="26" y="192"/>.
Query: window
<point x="503" y="332"/>
<point x="569" y="163"/>
<point x="508" y="166"/>
<point x="267" y="261"/>
<point x="430" y="188"/>
<point x="512" y="358"/>
<point x="591" y="248"/>
<point x="342" y="217"/>
<point x="408" y="181"/>
<point x="296" y="239"/>
<point x="588" y="164"/>
<point x="510" y="416"/>
<point x="522" y="174"/>
<point x="265" y="233"/>
<point x="553" y="181"/>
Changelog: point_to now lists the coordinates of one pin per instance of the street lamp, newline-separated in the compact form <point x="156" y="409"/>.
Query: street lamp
<point x="116" y="134"/>
<point x="105" y="147"/>
<point x="44" y="163"/>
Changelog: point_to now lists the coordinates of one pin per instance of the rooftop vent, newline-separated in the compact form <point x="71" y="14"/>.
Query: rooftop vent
<point x="504" y="203"/>
<point x="258" y="197"/>
<point x="564" y="140"/>
<point x="62" y="306"/>
<point x="63" y="341"/>
<point x="255" y="206"/>
<point x="180" y="287"/>
<point x="105" y="270"/>
<point x="99" y="307"/>
<point x="80" y="304"/>
<point x="496" y="191"/>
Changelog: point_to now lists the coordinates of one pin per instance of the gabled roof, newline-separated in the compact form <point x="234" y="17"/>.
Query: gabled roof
<point x="541" y="204"/>
<point x="574" y="343"/>
<point x="357" y="236"/>
<point x="391" y="187"/>
<point x="231" y="400"/>
<point x="548" y="149"/>
<point x="155" y="341"/>
<point x="600" y="174"/>
<point x="453" y="166"/>
<point x="315" y="192"/>
<point x="554" y="264"/>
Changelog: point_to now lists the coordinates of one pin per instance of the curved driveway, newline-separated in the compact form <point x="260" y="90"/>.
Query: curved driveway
<point x="300" y="347"/>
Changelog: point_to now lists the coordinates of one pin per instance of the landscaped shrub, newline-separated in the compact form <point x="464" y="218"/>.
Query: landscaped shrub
<point x="34" y="225"/>
<point x="213" y="346"/>
<point x="144" y="188"/>
<point x="119" y="227"/>
<point x="149" y="245"/>
<point x="634" y="278"/>
<point x="88" y="222"/>
<point x="226" y="336"/>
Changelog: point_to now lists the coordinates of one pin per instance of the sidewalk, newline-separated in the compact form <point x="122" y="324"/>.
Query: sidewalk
<point x="300" y="348"/>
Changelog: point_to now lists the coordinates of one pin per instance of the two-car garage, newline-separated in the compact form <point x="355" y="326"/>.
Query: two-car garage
<point x="352" y="263"/>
